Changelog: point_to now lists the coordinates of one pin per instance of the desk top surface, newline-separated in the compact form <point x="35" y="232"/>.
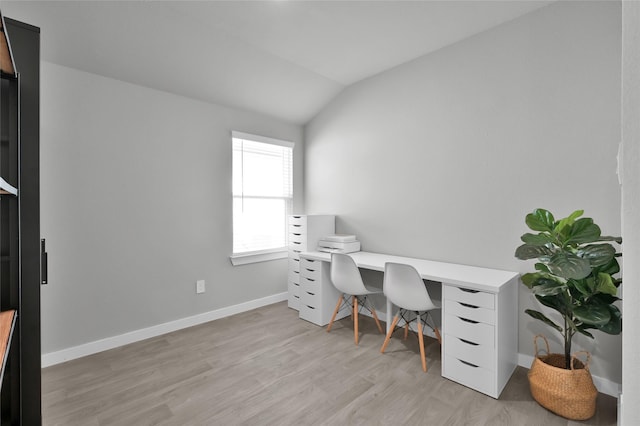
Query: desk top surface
<point x="485" y="279"/>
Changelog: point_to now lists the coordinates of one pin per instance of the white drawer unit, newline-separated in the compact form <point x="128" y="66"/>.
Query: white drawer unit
<point x="480" y="337"/>
<point x="318" y="296"/>
<point x="304" y="231"/>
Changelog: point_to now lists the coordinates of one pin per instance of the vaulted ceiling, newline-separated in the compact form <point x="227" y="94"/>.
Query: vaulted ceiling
<point x="285" y="59"/>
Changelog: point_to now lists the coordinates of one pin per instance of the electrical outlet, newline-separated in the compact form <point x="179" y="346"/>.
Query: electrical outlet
<point x="200" y="286"/>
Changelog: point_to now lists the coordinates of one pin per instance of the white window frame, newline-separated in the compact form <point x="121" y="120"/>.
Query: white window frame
<point x="243" y="258"/>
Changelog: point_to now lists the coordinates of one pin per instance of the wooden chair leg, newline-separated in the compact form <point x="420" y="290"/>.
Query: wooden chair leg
<point x="421" y="339"/>
<point x="406" y="331"/>
<point x="375" y="317"/>
<point x="386" y="339"/>
<point x="438" y="335"/>
<point x="355" y="319"/>
<point x="335" y="312"/>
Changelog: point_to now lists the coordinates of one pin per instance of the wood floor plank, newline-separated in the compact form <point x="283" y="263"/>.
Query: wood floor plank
<point x="268" y="367"/>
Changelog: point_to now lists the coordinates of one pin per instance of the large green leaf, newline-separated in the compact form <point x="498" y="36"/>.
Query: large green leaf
<point x="541" y="267"/>
<point x="540" y="220"/>
<point x="532" y="279"/>
<point x="614" y="326"/>
<point x="548" y="288"/>
<point x="609" y="238"/>
<point x="583" y="231"/>
<point x="568" y="265"/>
<point x="558" y="302"/>
<point x="597" y="315"/>
<point x="526" y="251"/>
<point x="597" y="254"/>
<point x="540" y="239"/>
<point x="582" y="286"/>
<point x="604" y="299"/>
<point x="569" y="220"/>
<point x="540" y="316"/>
<point x="604" y="284"/>
<point x="612" y="268"/>
<point x="583" y="329"/>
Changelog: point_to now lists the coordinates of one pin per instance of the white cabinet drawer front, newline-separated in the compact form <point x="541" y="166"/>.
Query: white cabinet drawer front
<point x="298" y="246"/>
<point x="294" y="265"/>
<point x="310" y="314"/>
<point x="294" y="288"/>
<point x="472" y="297"/>
<point x="314" y="265"/>
<point x="293" y="302"/>
<point x="479" y="354"/>
<point x="468" y="311"/>
<point x="310" y="299"/>
<point x="297" y="229"/>
<point x="310" y="273"/>
<point x="477" y="332"/>
<point x="310" y="285"/>
<point x="297" y="238"/>
<point x="294" y="253"/>
<point x="300" y="220"/>
<point x="475" y="377"/>
<point x="294" y="276"/>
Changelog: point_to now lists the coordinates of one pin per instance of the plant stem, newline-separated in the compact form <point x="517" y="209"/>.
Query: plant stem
<point x="567" y="343"/>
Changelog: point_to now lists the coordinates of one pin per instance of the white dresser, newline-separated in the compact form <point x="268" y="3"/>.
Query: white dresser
<point x="480" y="336"/>
<point x="304" y="233"/>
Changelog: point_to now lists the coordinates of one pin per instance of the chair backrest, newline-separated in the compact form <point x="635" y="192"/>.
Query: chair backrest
<point x="404" y="287"/>
<point x="345" y="275"/>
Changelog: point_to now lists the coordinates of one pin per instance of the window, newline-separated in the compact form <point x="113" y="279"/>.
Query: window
<point x="262" y="197"/>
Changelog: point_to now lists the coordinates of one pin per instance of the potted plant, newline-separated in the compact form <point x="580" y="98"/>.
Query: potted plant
<point x="574" y="276"/>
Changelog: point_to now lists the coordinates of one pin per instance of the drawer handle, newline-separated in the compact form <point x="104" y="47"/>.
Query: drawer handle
<point x="469" y="321"/>
<point x="296" y="217"/>
<point x="468" y="290"/>
<point x="297" y="297"/>
<point x="296" y="260"/>
<point x="296" y="272"/>
<point x="297" y="235"/>
<point x="310" y="294"/>
<point x="310" y="270"/>
<point x="295" y="242"/>
<point x="309" y="279"/>
<point x="466" y="305"/>
<point x="310" y="307"/>
<point x="468" y="342"/>
<point x="296" y="284"/>
<point x="468" y="363"/>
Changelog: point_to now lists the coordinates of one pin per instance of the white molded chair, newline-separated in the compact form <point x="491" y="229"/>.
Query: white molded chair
<point x="404" y="287"/>
<point x="346" y="277"/>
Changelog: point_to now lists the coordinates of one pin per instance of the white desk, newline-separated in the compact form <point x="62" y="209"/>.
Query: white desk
<point x="479" y="317"/>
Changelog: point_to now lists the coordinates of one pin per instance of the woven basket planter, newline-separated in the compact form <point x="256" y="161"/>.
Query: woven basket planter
<point x="568" y="393"/>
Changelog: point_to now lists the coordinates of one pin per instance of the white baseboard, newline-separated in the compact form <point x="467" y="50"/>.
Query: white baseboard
<point x="605" y="386"/>
<point x="52" y="358"/>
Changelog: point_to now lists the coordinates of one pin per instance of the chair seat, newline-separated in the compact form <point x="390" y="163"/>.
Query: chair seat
<point x="370" y="290"/>
<point x="419" y="305"/>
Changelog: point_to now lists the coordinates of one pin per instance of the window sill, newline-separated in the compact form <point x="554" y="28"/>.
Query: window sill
<point x="255" y="257"/>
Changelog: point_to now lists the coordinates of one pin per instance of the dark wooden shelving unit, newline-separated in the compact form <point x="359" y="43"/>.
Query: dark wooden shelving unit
<point x="20" y="257"/>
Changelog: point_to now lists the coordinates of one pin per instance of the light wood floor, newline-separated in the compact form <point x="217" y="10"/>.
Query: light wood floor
<point x="267" y="367"/>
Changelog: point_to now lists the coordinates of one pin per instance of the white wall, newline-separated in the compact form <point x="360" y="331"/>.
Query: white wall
<point x="136" y="206"/>
<point x="629" y="413"/>
<point x="443" y="157"/>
